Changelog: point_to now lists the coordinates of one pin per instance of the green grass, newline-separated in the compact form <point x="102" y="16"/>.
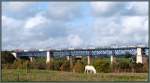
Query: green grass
<point x="47" y="75"/>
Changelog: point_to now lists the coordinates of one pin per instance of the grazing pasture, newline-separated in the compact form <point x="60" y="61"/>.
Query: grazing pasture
<point x="60" y="69"/>
<point x="48" y="75"/>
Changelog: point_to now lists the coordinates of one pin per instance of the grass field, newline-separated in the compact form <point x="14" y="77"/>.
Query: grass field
<point x="47" y="75"/>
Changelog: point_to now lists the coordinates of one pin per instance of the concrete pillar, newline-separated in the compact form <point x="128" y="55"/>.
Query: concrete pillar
<point x="89" y="59"/>
<point x="139" y="55"/>
<point x="31" y="59"/>
<point x="71" y="63"/>
<point x="48" y="57"/>
<point x="68" y="58"/>
<point x="112" y="56"/>
<point x="14" y="54"/>
<point x="111" y="59"/>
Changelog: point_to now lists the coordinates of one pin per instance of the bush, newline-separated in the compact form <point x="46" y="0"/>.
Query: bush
<point x="65" y="66"/>
<point x="7" y="57"/>
<point x="78" y="67"/>
<point x="57" y="64"/>
<point x="36" y="65"/>
<point x="102" y="66"/>
<point x="124" y="66"/>
<point x="20" y="64"/>
<point x="41" y="66"/>
<point x="145" y="67"/>
<point x="138" y="67"/>
<point x="54" y="65"/>
<point x="7" y="66"/>
<point x="32" y="65"/>
<point x="50" y="65"/>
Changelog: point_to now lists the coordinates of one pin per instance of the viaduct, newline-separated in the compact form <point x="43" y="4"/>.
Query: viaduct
<point x="139" y="52"/>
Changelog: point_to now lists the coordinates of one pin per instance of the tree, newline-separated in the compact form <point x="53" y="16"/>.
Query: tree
<point x="128" y="55"/>
<point x="7" y="57"/>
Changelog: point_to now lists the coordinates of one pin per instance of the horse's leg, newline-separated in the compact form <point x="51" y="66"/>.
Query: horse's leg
<point x="84" y="71"/>
<point x="90" y="71"/>
<point x="87" y="71"/>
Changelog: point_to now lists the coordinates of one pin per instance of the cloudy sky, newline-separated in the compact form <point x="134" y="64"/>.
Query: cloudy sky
<point x="27" y="25"/>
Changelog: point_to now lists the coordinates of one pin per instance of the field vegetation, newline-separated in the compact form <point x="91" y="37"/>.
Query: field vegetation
<point x="48" y="75"/>
<point x="122" y="69"/>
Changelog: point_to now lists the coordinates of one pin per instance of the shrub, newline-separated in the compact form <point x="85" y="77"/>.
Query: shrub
<point x="138" y="67"/>
<point x="102" y="66"/>
<point x="114" y="67"/>
<point x="7" y="57"/>
<point x="37" y="63"/>
<point x="20" y="64"/>
<point x="78" y="67"/>
<point x="145" y="67"/>
<point x="57" y="64"/>
<point x="50" y="65"/>
<point x="7" y="66"/>
<point x="41" y="66"/>
<point x="32" y="65"/>
<point x="123" y="66"/>
<point x="65" y="66"/>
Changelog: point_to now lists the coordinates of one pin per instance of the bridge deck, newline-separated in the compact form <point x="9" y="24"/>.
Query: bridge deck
<point x="84" y="52"/>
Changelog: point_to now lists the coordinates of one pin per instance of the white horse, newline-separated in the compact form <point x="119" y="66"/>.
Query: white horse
<point x="90" y="68"/>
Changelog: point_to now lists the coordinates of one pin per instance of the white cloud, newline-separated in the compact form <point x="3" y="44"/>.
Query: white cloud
<point x="74" y="40"/>
<point x="35" y="21"/>
<point x="134" y="23"/>
<point x="105" y="8"/>
<point x="106" y="26"/>
<point x="16" y="33"/>
<point x="102" y="6"/>
<point x="11" y="32"/>
<point x="16" y="6"/>
<point x="140" y="8"/>
<point x="64" y="11"/>
<point x="120" y="29"/>
<point x="134" y="29"/>
<point x="19" y="10"/>
<point x="7" y="21"/>
<point x="114" y="23"/>
<point x="119" y="8"/>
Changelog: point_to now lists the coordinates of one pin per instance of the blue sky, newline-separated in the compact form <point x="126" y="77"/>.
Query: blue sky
<point x="29" y="25"/>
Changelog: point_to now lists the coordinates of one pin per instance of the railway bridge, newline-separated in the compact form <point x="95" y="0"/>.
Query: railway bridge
<point x="89" y="53"/>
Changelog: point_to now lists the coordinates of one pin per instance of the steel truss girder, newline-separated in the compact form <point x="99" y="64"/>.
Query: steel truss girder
<point x="35" y="53"/>
<point x="115" y="52"/>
